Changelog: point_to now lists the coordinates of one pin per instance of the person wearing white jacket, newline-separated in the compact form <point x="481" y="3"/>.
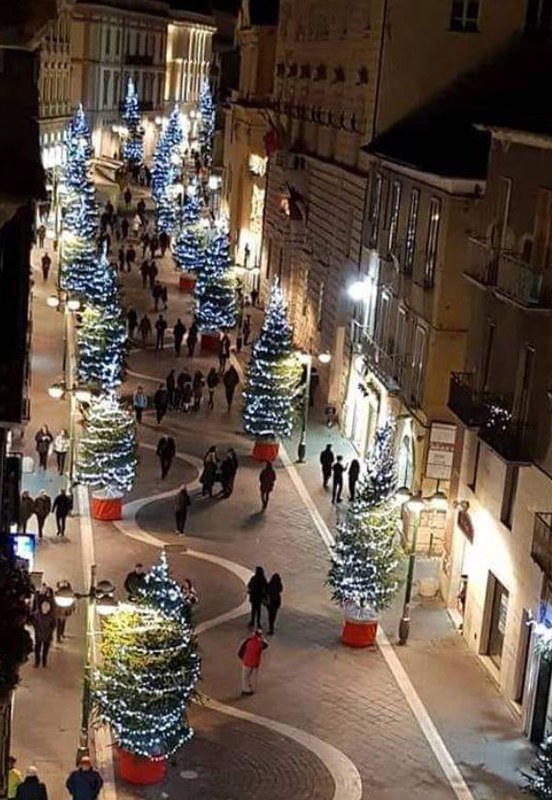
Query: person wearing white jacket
<point x="61" y="447"/>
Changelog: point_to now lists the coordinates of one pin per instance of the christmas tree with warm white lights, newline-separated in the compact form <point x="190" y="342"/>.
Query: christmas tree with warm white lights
<point x="102" y="340"/>
<point x="132" y="150"/>
<point x="147" y="678"/>
<point x="273" y="376"/>
<point x="215" y="289"/>
<point x="206" y="122"/>
<point x="366" y="559"/>
<point x="107" y="448"/>
<point x="78" y="134"/>
<point x="163" y="593"/>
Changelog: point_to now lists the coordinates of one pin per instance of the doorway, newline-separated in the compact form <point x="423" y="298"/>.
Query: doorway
<point x="497" y="624"/>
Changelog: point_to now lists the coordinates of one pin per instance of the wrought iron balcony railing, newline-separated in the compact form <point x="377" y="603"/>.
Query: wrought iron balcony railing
<point x="464" y="401"/>
<point x="386" y="366"/>
<point x="482" y="262"/>
<point x="520" y="282"/>
<point x="541" y="548"/>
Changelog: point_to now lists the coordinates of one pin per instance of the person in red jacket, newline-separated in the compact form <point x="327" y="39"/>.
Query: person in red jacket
<point x="250" y="653"/>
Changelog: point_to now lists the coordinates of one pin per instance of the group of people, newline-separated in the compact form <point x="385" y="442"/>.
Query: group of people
<point x="219" y="470"/>
<point x="41" y="507"/>
<point x="261" y="592"/>
<point x="334" y="468"/>
<point x="48" y="619"/>
<point x="83" y="783"/>
<point x="46" y="442"/>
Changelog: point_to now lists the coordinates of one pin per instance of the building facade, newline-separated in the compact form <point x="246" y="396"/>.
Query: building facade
<point x="502" y="540"/>
<point x="188" y="59"/>
<point x="246" y="129"/>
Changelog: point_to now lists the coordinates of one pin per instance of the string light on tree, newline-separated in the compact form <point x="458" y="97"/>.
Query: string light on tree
<point x="273" y="375"/>
<point x="107" y="447"/>
<point x="78" y="134"/>
<point x="133" y="149"/>
<point x="206" y="122"/>
<point x="190" y="245"/>
<point x="539" y="783"/>
<point x="215" y="289"/>
<point x="102" y="340"/>
<point x="163" y="593"/>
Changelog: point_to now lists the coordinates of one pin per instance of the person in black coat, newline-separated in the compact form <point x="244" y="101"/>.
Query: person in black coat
<point x="160" y="327"/>
<point x="257" y="591"/>
<point x="230" y="380"/>
<point x="354" y="472"/>
<point x="160" y="403"/>
<point x="166" y="451"/>
<point x="273" y="600"/>
<point x="61" y="507"/>
<point x="44" y="625"/>
<point x="132" y="321"/>
<point x="32" y="787"/>
<point x="170" y="382"/>
<point x="84" y="783"/>
<point x="179" y="331"/>
<point x="212" y="383"/>
<point x="192" y="338"/>
<point x="209" y="475"/>
<point x="327" y="459"/>
<point x="134" y="581"/>
<point x="43" y="439"/>
<point x="228" y="469"/>
<point x="181" y="505"/>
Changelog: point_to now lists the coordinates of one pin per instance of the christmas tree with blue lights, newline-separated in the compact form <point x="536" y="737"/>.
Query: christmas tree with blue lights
<point x="539" y="784"/>
<point x="215" y="289"/>
<point x="207" y="122"/>
<point x="78" y="135"/>
<point x="107" y="448"/>
<point x="132" y="150"/>
<point x="166" y="211"/>
<point x="365" y="572"/>
<point x="189" y="247"/>
<point x="273" y="376"/>
<point x="102" y="341"/>
<point x="87" y="275"/>
<point x="148" y="675"/>
<point x="163" y="593"/>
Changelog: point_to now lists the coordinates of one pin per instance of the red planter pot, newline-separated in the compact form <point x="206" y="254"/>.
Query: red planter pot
<point x="106" y="508"/>
<point x="359" y="633"/>
<point x="210" y="342"/>
<point x="140" y="770"/>
<point x="186" y="284"/>
<point x="266" y="451"/>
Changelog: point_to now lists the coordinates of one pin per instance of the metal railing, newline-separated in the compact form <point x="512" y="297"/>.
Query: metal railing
<point x="464" y="401"/>
<point x="483" y="261"/>
<point x="521" y="282"/>
<point x="387" y="366"/>
<point x="541" y="547"/>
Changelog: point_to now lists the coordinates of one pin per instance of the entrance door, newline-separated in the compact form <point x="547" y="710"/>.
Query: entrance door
<point x="497" y="629"/>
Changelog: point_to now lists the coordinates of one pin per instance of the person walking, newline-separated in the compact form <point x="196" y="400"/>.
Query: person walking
<point x="15" y="778"/>
<point x="61" y="448"/>
<point x="145" y="329"/>
<point x="164" y="297"/>
<point x="125" y="226"/>
<point x="156" y="294"/>
<point x="134" y="581"/>
<point x="274" y="591"/>
<point x="144" y="272"/>
<point x="267" y="479"/>
<point x="327" y="459"/>
<point x="254" y="297"/>
<point x="212" y="383"/>
<point x="160" y="327"/>
<point x="224" y="351"/>
<point x="41" y="234"/>
<point x="62" y="613"/>
<point x="44" y="625"/>
<point x="166" y="451"/>
<point x="179" y="331"/>
<point x="197" y="388"/>
<point x="160" y="403"/>
<point x="170" y="382"/>
<point x="61" y="508"/>
<point x="209" y="475"/>
<point x="152" y="273"/>
<point x="43" y="439"/>
<point x="127" y="197"/>
<point x="163" y="243"/>
<point x="140" y="402"/>
<point x="45" y="264"/>
<point x="154" y="244"/>
<point x="190" y="592"/>
<point x="227" y="473"/>
<point x="338" y="469"/>
<point x="187" y="395"/>
<point x="121" y="258"/>
<point x="26" y="510"/>
<point x="182" y="503"/>
<point x="230" y="380"/>
<point x="84" y="783"/>
<point x="246" y="329"/>
<point x="132" y="321"/>
<point x="31" y="788"/>
<point x="250" y="654"/>
<point x="256" y="590"/>
<point x="353" y="475"/>
<point x="130" y="257"/>
<point x="42" y="507"/>
<point x="192" y="338"/>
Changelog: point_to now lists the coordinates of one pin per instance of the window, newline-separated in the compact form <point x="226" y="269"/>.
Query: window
<point x="401" y="338"/>
<point x="432" y="241"/>
<point x="509" y="495"/>
<point x="411" y="226"/>
<point x="542" y="244"/>
<point x="464" y="15"/>
<point x="418" y="364"/>
<point x="108" y="41"/>
<point x="538" y="17"/>
<point x="394" y="211"/>
<point x="115" y="88"/>
<point x="383" y="320"/>
<point x="362" y="75"/>
<point x="106" y="89"/>
<point x="472" y="483"/>
<point x="375" y="207"/>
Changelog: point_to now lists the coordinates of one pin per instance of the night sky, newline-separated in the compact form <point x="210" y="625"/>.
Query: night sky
<point x="206" y="5"/>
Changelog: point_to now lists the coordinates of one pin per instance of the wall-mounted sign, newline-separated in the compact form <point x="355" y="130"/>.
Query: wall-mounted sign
<point x="442" y="441"/>
<point x="465" y="524"/>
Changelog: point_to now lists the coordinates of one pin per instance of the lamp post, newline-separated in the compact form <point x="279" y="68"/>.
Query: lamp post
<point x="306" y="360"/>
<point x="415" y="504"/>
<point x="100" y="598"/>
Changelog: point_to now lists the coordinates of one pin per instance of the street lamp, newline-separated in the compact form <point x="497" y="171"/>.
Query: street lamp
<point x="99" y="597"/>
<point x="415" y="504"/>
<point x="306" y="360"/>
<point x="360" y="290"/>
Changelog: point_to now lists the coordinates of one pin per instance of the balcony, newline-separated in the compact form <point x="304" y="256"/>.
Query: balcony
<point x="541" y="548"/>
<point x="464" y="401"/>
<point x="521" y="284"/>
<point x="387" y="368"/>
<point x="137" y="60"/>
<point x="483" y="263"/>
<point x="511" y="440"/>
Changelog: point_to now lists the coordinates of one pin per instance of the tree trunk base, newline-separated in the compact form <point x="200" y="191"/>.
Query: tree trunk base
<point x="139" y="770"/>
<point x="359" y="633"/>
<point x="107" y="509"/>
<point x="266" y="451"/>
<point x="186" y="284"/>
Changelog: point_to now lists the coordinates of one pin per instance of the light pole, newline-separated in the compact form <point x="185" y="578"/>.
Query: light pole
<point x="306" y="360"/>
<point x="100" y="598"/>
<point x="415" y="504"/>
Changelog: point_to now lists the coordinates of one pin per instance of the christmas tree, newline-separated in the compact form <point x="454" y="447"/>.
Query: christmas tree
<point x="78" y="134"/>
<point x="102" y="339"/>
<point x="107" y="447"/>
<point x="207" y="122"/>
<point x="150" y="667"/>
<point x="85" y="274"/>
<point x="366" y="558"/>
<point x="174" y="132"/>
<point x="167" y="211"/>
<point x="273" y="376"/>
<point x="539" y="784"/>
<point x="189" y="248"/>
<point x="215" y="289"/>
<point x="163" y="593"/>
<point x="132" y="151"/>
